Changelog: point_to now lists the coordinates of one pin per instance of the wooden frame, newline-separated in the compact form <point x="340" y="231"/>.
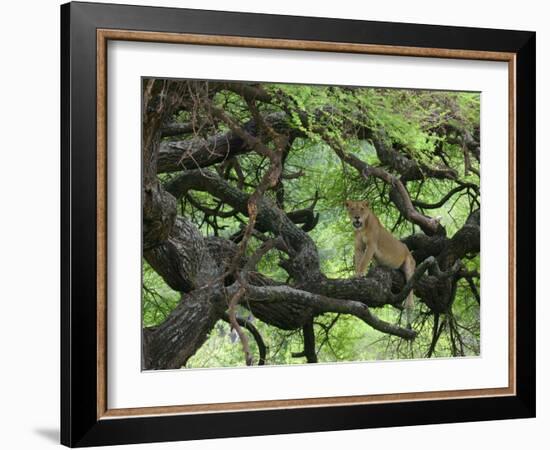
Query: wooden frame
<point x="86" y="418"/>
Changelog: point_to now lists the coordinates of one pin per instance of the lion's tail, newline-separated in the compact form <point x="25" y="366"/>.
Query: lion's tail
<point x="409" y="268"/>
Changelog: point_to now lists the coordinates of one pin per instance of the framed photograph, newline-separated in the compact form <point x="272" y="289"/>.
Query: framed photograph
<point x="276" y="224"/>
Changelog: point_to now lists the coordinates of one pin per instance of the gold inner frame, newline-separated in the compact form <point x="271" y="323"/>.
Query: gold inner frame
<point x="103" y="36"/>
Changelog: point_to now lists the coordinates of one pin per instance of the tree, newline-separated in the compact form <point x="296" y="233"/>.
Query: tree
<point x="242" y="181"/>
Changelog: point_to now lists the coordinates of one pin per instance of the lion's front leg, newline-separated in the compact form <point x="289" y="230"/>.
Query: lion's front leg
<point x="365" y="260"/>
<point x="360" y="250"/>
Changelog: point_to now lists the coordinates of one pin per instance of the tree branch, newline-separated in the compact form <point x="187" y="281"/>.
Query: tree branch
<point x="322" y="304"/>
<point x="246" y="324"/>
<point x="440" y="203"/>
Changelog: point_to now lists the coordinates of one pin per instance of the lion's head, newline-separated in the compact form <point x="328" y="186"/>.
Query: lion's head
<point x="358" y="211"/>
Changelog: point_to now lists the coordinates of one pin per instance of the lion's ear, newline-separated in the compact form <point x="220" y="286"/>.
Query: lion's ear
<point x="366" y="203"/>
<point x="347" y="203"/>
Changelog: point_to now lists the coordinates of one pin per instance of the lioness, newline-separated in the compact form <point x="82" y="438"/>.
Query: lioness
<point x="372" y="239"/>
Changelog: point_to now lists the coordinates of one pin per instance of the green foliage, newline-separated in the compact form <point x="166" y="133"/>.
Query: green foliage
<point x="157" y="299"/>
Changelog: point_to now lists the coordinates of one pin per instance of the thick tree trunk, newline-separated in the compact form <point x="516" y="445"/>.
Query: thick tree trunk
<point x="171" y="344"/>
<point x="174" y="247"/>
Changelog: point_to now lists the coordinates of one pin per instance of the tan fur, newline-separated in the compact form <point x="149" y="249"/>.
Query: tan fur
<point x="373" y="240"/>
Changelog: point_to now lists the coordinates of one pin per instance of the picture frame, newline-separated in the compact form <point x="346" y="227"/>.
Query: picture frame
<point x="86" y="418"/>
